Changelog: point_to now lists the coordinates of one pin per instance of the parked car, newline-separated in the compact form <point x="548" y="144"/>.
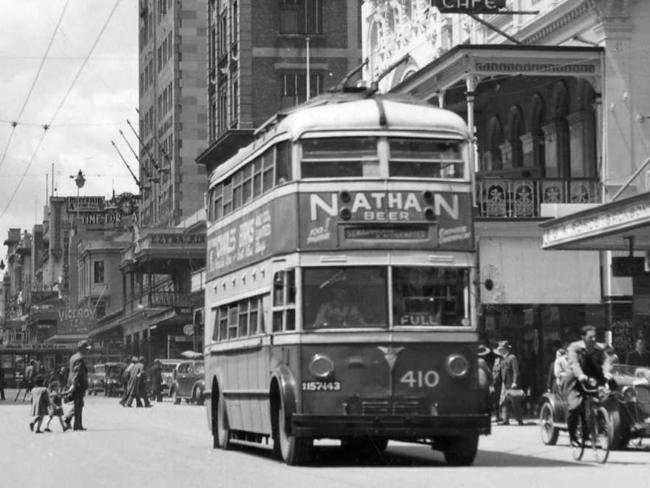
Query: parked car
<point x="105" y="377"/>
<point x="189" y="382"/>
<point x="628" y="407"/>
<point x="168" y="367"/>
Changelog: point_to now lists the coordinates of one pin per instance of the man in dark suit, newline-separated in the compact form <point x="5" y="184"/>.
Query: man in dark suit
<point x="638" y="356"/>
<point x="509" y="381"/>
<point x="77" y="385"/>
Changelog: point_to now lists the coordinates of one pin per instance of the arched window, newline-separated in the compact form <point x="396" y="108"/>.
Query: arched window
<point x="515" y="131"/>
<point x="561" y="106"/>
<point x="538" y="141"/>
<point x="496" y="139"/>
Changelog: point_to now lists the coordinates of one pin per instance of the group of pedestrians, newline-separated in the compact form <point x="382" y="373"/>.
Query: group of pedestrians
<point x="134" y="382"/>
<point x="48" y="401"/>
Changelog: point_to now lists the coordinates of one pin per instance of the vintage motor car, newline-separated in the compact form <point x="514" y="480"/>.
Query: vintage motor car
<point x="167" y="373"/>
<point x="105" y="377"/>
<point x="628" y="407"/>
<point x="189" y="382"/>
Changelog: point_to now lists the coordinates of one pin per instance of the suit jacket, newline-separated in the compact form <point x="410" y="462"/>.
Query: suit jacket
<point x="78" y="374"/>
<point x="509" y="370"/>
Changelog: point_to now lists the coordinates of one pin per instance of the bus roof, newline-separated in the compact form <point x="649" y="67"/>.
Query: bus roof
<point x="353" y="111"/>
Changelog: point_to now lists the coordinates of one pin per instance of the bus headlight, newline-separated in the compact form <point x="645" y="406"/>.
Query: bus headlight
<point x="321" y="366"/>
<point x="457" y="366"/>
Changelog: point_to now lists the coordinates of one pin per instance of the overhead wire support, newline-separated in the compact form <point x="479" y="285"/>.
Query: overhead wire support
<point x="135" y="155"/>
<point x="135" y="178"/>
<point x="153" y="160"/>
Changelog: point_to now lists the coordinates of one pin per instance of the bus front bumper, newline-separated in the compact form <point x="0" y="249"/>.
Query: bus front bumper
<point x="394" y="426"/>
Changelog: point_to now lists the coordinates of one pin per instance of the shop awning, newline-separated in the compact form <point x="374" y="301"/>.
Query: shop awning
<point x="605" y="227"/>
<point x="466" y="64"/>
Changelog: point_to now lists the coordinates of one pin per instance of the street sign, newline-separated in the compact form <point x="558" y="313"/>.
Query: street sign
<point x="469" y="6"/>
<point x="188" y="329"/>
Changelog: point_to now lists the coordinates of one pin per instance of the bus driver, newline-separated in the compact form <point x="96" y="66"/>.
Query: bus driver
<point x="338" y="312"/>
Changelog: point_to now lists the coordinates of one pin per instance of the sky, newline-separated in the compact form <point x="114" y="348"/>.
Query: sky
<point x="86" y="109"/>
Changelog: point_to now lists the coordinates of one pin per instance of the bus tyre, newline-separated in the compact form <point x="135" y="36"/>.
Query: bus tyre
<point x="291" y="449"/>
<point x="460" y="450"/>
<point x="222" y="434"/>
<point x="547" y="427"/>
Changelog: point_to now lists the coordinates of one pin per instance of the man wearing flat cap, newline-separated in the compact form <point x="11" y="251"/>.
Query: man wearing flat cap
<point x="77" y="385"/>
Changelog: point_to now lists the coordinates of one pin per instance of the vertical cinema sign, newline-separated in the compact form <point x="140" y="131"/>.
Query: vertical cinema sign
<point x="469" y="6"/>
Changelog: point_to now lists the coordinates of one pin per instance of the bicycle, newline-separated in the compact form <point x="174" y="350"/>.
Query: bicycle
<point x="593" y="427"/>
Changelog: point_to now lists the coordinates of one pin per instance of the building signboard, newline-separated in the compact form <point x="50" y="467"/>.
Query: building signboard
<point x="85" y="204"/>
<point x="469" y="6"/>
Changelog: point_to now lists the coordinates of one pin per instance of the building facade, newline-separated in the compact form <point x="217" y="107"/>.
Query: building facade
<point x="557" y="106"/>
<point x="267" y="56"/>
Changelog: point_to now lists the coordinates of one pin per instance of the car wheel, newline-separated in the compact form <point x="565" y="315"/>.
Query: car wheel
<point x="197" y="396"/>
<point x="175" y="398"/>
<point x="617" y="438"/>
<point x="460" y="450"/>
<point x="547" y="427"/>
<point x="291" y="449"/>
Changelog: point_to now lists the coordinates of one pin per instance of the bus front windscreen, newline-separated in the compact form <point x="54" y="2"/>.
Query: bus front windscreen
<point x="357" y="297"/>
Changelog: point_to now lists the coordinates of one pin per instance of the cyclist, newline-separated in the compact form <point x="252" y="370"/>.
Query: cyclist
<point x="586" y="361"/>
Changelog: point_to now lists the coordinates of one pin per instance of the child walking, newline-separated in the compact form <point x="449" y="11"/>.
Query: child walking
<point x="40" y="403"/>
<point x="55" y="408"/>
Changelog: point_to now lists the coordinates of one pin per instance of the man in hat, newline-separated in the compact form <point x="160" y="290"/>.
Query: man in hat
<point x="77" y="385"/>
<point x="509" y="400"/>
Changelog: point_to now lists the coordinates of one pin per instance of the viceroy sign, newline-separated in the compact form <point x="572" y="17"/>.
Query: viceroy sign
<point x="469" y="6"/>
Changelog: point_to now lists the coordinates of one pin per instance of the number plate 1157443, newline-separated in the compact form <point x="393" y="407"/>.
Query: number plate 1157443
<point x="321" y="386"/>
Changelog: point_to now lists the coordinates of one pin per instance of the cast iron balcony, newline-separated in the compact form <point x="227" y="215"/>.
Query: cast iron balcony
<point x="521" y="198"/>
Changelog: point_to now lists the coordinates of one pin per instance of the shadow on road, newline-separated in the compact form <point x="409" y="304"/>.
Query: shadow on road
<point x="411" y="457"/>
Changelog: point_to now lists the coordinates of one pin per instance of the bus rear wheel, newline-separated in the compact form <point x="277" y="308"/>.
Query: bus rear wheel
<point x="460" y="450"/>
<point x="222" y="434"/>
<point x="291" y="449"/>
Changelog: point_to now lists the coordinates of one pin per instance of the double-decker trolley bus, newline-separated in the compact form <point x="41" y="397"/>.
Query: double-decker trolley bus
<point x="339" y="292"/>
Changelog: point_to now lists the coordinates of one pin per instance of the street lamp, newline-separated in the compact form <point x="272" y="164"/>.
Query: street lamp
<point x="79" y="180"/>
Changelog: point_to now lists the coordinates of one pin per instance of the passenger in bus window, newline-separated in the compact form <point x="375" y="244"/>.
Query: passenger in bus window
<point x="338" y="311"/>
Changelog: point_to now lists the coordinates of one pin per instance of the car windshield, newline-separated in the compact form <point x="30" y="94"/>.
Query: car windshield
<point x="168" y="367"/>
<point x="199" y="369"/>
<point x="640" y="372"/>
<point x="114" y="370"/>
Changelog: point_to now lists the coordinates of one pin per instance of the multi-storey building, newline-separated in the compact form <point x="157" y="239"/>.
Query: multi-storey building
<point x="267" y="56"/>
<point x="557" y="105"/>
<point x="173" y="112"/>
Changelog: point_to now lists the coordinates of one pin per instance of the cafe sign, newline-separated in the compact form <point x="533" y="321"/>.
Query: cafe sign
<point x="469" y="6"/>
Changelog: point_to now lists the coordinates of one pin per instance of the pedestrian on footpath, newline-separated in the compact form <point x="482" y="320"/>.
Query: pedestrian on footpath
<point x="2" y="384"/>
<point x="143" y="383"/>
<point x="134" y="388"/>
<point x="40" y="403"/>
<point x="78" y="384"/>
<point x="126" y="377"/>
<point x="156" y="381"/>
<point x="495" y="388"/>
<point x="28" y="380"/>
<point x="511" y="393"/>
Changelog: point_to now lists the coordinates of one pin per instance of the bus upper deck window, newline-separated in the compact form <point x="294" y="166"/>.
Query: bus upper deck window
<point x="426" y="158"/>
<point x="340" y="157"/>
<point x="283" y="163"/>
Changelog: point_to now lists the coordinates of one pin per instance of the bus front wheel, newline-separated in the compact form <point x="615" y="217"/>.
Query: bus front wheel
<point x="222" y="434"/>
<point x="291" y="449"/>
<point x="460" y="450"/>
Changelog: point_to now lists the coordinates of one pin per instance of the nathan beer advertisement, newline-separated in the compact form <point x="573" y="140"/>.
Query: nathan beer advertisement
<point x="386" y="219"/>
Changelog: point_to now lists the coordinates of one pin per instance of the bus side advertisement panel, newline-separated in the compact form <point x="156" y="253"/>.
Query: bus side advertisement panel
<point x="256" y="235"/>
<point x="386" y="219"/>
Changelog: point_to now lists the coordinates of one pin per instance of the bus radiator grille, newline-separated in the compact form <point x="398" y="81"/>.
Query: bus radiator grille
<point x="387" y="407"/>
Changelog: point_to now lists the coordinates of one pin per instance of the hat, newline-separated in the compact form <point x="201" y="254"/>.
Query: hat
<point x="504" y="345"/>
<point x="483" y="350"/>
<point x="134" y="359"/>
<point x="141" y="359"/>
<point x="83" y="345"/>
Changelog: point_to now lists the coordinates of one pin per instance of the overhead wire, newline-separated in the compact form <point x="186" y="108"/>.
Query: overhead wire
<point x="60" y="106"/>
<point x="15" y="123"/>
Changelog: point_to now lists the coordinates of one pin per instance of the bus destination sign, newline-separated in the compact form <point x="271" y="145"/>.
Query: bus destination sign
<point x="469" y="6"/>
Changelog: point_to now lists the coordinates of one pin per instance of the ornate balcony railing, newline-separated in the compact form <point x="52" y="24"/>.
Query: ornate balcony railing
<point x="508" y="198"/>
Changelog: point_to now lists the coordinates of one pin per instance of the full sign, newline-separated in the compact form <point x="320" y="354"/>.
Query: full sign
<point x="469" y="6"/>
